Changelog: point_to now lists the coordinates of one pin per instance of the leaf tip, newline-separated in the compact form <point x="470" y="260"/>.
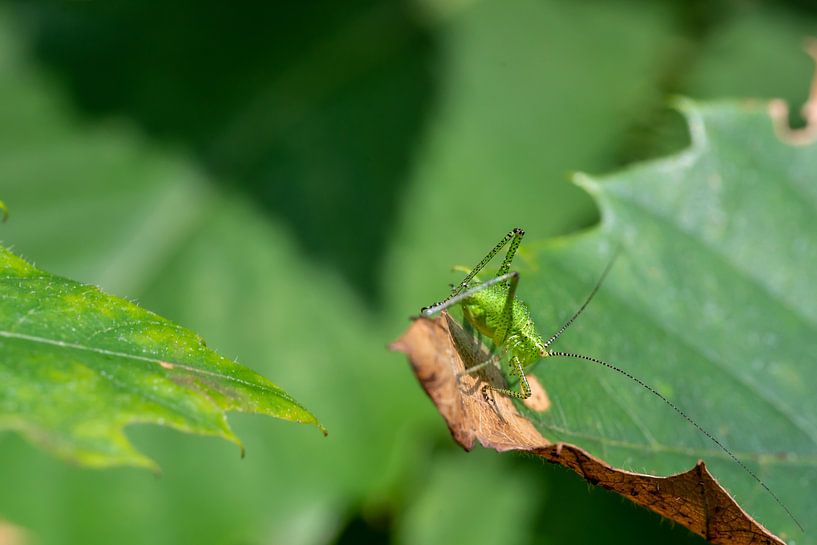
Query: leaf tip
<point x="134" y="459"/>
<point x="681" y="103"/>
<point x="312" y="419"/>
<point x="779" y="111"/>
<point x="694" y="118"/>
<point x="397" y="346"/>
<point x="154" y="468"/>
<point x="586" y="182"/>
<point x="307" y="417"/>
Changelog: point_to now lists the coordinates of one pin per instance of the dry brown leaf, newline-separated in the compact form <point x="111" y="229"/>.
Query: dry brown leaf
<point x="439" y="351"/>
<point x="12" y="535"/>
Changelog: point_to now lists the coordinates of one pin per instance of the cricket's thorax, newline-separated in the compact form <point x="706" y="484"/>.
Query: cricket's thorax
<point x="483" y="310"/>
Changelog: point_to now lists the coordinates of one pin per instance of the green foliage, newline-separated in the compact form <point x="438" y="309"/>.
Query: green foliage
<point x="708" y="302"/>
<point x="141" y="166"/>
<point x="78" y="365"/>
<point x="450" y="494"/>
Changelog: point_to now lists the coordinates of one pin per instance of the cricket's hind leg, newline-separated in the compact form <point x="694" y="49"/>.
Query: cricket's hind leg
<point x="514" y="237"/>
<point x="451" y="301"/>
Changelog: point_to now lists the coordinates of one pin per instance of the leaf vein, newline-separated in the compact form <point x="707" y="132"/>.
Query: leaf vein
<point x="124" y="355"/>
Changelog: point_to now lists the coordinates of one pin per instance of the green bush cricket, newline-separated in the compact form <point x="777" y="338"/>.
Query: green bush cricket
<point x="493" y="309"/>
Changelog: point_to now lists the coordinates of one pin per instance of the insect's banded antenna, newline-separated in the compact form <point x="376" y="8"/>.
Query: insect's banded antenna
<point x="572" y="319"/>
<point x="687" y="418"/>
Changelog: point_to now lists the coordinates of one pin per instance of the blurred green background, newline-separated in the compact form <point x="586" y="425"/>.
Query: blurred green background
<point x="293" y="180"/>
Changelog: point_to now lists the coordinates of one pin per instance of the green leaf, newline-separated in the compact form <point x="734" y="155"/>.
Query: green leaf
<point x="710" y="301"/>
<point x="453" y="483"/>
<point x="77" y="365"/>
<point x="548" y="90"/>
<point x="171" y="234"/>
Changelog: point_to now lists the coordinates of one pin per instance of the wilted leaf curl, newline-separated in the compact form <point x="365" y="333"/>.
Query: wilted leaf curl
<point x="693" y="498"/>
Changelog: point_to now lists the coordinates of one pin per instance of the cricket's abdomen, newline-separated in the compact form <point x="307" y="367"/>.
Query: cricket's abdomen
<point x="484" y="311"/>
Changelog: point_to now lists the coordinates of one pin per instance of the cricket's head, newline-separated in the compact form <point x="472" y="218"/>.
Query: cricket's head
<point x="530" y="346"/>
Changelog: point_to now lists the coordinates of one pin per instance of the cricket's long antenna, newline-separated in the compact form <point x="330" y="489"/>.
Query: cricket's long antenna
<point x="586" y="302"/>
<point x="684" y="415"/>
